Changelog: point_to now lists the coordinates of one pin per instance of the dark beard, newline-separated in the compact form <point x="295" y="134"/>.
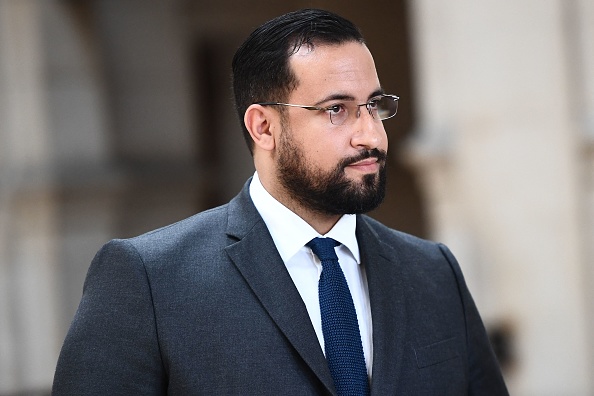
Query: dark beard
<point x="330" y="193"/>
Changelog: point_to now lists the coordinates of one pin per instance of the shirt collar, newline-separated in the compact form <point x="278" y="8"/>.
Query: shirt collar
<point x="290" y="232"/>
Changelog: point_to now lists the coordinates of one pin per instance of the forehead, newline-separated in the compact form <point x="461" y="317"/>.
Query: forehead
<point x="342" y="69"/>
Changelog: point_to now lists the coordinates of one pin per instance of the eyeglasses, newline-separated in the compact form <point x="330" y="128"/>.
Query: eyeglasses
<point x="380" y="108"/>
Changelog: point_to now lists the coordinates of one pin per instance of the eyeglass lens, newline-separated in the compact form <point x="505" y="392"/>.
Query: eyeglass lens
<point x="380" y="109"/>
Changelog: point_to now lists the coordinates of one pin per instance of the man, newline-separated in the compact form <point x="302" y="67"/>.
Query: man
<point x="288" y="289"/>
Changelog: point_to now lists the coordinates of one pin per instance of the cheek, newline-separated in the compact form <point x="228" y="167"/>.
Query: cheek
<point x="315" y="142"/>
<point x="321" y="154"/>
<point x="322" y="147"/>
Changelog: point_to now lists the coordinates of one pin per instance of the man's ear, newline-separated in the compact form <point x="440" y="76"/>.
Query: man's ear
<point x="259" y="122"/>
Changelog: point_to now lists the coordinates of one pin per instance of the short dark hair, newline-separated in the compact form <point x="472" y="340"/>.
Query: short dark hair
<point x="261" y="71"/>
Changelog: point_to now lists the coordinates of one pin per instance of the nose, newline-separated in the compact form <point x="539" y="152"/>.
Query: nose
<point x="368" y="132"/>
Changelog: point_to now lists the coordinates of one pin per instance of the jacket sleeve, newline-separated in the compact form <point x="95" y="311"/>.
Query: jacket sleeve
<point x="485" y="376"/>
<point x="112" y="345"/>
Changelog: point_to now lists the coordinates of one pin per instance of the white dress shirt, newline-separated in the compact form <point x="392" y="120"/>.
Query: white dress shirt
<point x="290" y="233"/>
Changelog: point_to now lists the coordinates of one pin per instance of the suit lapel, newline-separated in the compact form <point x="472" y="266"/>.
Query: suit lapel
<point x="386" y="294"/>
<point x="255" y="256"/>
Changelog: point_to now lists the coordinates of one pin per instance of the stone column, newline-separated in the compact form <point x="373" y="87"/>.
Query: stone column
<point x="54" y="176"/>
<point x="497" y="148"/>
<point x="580" y="19"/>
<point x="28" y="336"/>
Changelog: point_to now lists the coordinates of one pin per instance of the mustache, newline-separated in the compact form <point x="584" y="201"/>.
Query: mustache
<point x="380" y="155"/>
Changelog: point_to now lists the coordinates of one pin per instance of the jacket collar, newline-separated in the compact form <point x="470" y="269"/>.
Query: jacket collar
<point x="387" y="281"/>
<point x="255" y="256"/>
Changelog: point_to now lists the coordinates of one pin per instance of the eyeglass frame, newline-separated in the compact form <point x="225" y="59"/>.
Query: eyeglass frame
<point x="328" y="108"/>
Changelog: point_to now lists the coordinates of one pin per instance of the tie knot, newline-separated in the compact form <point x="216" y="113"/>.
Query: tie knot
<point x="324" y="248"/>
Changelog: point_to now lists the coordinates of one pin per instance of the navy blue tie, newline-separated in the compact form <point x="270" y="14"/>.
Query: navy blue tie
<point x="342" y="340"/>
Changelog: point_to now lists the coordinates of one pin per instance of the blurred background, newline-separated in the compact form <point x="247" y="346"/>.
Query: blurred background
<point x="116" y="118"/>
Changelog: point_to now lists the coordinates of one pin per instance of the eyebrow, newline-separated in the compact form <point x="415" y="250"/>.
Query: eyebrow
<point x="339" y="96"/>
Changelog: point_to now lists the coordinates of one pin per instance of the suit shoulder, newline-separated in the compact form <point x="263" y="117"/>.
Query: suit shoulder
<point x="423" y="255"/>
<point x="205" y="226"/>
<point x="207" y="219"/>
<point x="409" y="247"/>
<point x="395" y="238"/>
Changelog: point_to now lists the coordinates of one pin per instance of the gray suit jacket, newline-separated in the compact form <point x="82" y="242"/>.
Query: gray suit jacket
<point x="206" y="306"/>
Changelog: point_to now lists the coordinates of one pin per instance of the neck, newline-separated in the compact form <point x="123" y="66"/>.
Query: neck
<point x="321" y="222"/>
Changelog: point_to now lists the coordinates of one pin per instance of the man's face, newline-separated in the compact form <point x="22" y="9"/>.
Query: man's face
<point x="326" y="168"/>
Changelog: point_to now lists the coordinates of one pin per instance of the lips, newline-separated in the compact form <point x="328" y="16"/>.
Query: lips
<point x="367" y="161"/>
<point x="368" y="165"/>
